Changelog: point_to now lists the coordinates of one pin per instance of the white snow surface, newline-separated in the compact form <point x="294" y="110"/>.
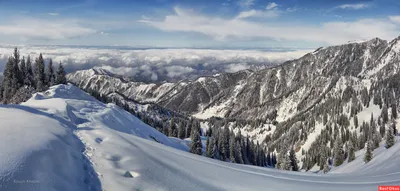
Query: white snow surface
<point x="43" y="140"/>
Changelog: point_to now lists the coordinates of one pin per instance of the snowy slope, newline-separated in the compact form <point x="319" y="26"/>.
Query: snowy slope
<point x="40" y="152"/>
<point x="117" y="142"/>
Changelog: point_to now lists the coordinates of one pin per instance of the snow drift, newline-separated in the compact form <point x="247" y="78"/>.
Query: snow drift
<point x="67" y="140"/>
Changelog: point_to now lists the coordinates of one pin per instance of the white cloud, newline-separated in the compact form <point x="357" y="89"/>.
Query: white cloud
<point x="155" y="64"/>
<point x="271" y="6"/>
<point x="231" y="68"/>
<point x="175" y="71"/>
<point x="32" y="28"/>
<point x="257" y="13"/>
<point x="328" y="32"/>
<point x="395" y="19"/>
<point x="353" y="6"/>
<point x="246" y="3"/>
<point x="53" y="14"/>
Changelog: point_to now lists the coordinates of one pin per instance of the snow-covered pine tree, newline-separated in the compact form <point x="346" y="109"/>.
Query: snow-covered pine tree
<point x="172" y="128"/>
<point x="368" y="153"/>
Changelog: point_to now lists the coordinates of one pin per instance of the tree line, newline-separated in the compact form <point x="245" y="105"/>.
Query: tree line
<point x="22" y="77"/>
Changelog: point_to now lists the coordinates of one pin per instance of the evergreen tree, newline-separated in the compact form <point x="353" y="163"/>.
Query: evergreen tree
<point x="209" y="147"/>
<point x="60" y="75"/>
<point x="225" y="143"/>
<point x="293" y="160"/>
<point x="50" y="76"/>
<point x="196" y="146"/>
<point x="232" y="148"/>
<point x="338" y="152"/>
<point x="28" y="80"/>
<point x="181" y="130"/>
<point x="39" y="74"/>
<point x="285" y="162"/>
<point x="394" y="109"/>
<point x="384" y="114"/>
<point x="269" y="162"/>
<point x="22" y="69"/>
<point x="8" y="75"/>
<point x="355" y="121"/>
<point x="390" y="136"/>
<point x="188" y="129"/>
<point x="238" y="152"/>
<point x="172" y="128"/>
<point x="351" y="151"/>
<point x="368" y="153"/>
<point x="17" y="72"/>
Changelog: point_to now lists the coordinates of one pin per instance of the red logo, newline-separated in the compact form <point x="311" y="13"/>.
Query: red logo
<point x="389" y="188"/>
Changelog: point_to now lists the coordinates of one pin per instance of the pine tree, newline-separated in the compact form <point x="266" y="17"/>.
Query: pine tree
<point x="209" y="147"/>
<point x="196" y="146"/>
<point x="17" y="72"/>
<point x="28" y="80"/>
<point x="7" y="81"/>
<point x="188" y="129"/>
<point x="368" y="153"/>
<point x="384" y="114"/>
<point x="181" y="130"/>
<point x="60" y="75"/>
<point x="390" y="135"/>
<point x="39" y="74"/>
<point x="22" y="69"/>
<point x="225" y="143"/>
<point x="269" y="162"/>
<point x="172" y="128"/>
<point x="293" y="160"/>
<point x="355" y="121"/>
<point x="232" y="148"/>
<point x="338" y="152"/>
<point x="50" y="76"/>
<point x="351" y="152"/>
<point x="394" y="110"/>
<point x="285" y="162"/>
<point x="238" y="152"/>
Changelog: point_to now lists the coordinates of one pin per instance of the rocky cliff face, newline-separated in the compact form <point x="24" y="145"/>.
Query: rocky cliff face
<point x="288" y="89"/>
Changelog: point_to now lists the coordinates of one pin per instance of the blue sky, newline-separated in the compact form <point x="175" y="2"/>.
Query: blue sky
<point x="191" y="23"/>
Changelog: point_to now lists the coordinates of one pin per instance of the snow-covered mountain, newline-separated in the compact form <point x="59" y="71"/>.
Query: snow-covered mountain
<point x="64" y="139"/>
<point x="302" y="101"/>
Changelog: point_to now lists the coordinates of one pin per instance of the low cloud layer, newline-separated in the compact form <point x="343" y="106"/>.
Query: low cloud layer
<point x="155" y="65"/>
